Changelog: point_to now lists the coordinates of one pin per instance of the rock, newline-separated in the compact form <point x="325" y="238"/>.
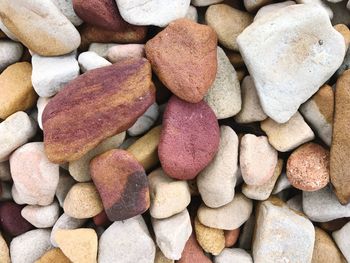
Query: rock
<point x="160" y="258"/>
<point x="168" y="196"/>
<point x="231" y="237"/>
<point x="4" y="251"/>
<point x="79" y="245"/>
<point x="287" y="136"/>
<point x="65" y="183"/>
<point x="41" y="104"/>
<point x="80" y="169"/>
<point x="192" y="14"/>
<point x="345" y="32"/>
<point x="254" y="5"/>
<point x="318" y="111"/>
<point x="30" y="246"/>
<point x="341" y="237"/>
<point x="119" y="52"/>
<point x="257" y="159"/>
<point x="272" y="8"/>
<point x="146" y="121"/>
<point x="227" y="217"/>
<point x="66" y="7"/>
<point x="16" y="89"/>
<point x="53" y="255"/>
<point x="308" y="167"/>
<point x="41" y="216"/>
<point x="321" y="4"/>
<point x="216" y="183"/>
<point x="334" y="225"/>
<point x="282" y="93"/>
<point x="5" y="173"/>
<point x="224" y="96"/>
<point x="193" y="252"/>
<point x="205" y="2"/>
<point x="104" y="90"/>
<point x="7" y="32"/>
<point x="122" y="184"/>
<point x="101" y="49"/>
<point x="296" y="203"/>
<point x="134" y="243"/>
<point x="10" y="52"/>
<point x="153" y="12"/>
<point x="188" y="151"/>
<point x="145" y="149"/>
<point x="82" y="201"/>
<point x="339" y="164"/>
<point x="172" y="234"/>
<point x="246" y="235"/>
<point x="228" y="23"/>
<point x="15" y="131"/>
<point x="233" y="255"/>
<point x="35" y="29"/>
<point x="174" y="57"/>
<point x="51" y="74"/>
<point x="90" y="60"/>
<point x="34" y="176"/>
<point x="212" y="240"/>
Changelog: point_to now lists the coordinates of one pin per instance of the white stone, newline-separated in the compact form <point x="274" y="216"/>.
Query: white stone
<point x="281" y="184"/>
<point x="41" y="216"/>
<point x="41" y="104"/>
<point x="272" y="8"/>
<point x="145" y="122"/>
<point x="6" y="191"/>
<point x="65" y="183"/>
<point x="319" y="3"/>
<point x="10" y="52"/>
<point x="66" y="7"/>
<point x="205" y="2"/>
<point x="192" y="14"/>
<point x="5" y="174"/>
<point x="237" y="255"/>
<point x="342" y="238"/>
<point x="101" y="49"/>
<point x="90" y="60"/>
<point x="296" y="202"/>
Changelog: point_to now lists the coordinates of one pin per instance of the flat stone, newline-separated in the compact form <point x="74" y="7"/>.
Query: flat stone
<point x="254" y="5"/>
<point x="65" y="183"/>
<point x="41" y="216"/>
<point x="270" y="9"/>
<point x="146" y="121"/>
<point x="233" y="255"/>
<point x="66" y="7"/>
<point x="35" y="29"/>
<point x="119" y="52"/>
<point x="174" y="57"/>
<point x="41" y="104"/>
<point x="122" y="91"/>
<point x="309" y="43"/>
<point x="341" y="238"/>
<point x="186" y="152"/>
<point x="205" y="2"/>
<point x="10" y="52"/>
<point x="4" y="251"/>
<point x="216" y="183"/>
<point x="53" y="255"/>
<point x="193" y="252"/>
<point x="90" y="60"/>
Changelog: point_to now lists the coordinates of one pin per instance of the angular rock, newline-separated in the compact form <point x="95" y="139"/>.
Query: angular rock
<point x="119" y="52"/>
<point x="66" y="7"/>
<point x="53" y="255"/>
<point x="193" y="252"/>
<point x="4" y="251"/>
<point x="233" y="255"/>
<point x="146" y="121"/>
<point x="341" y="237"/>
<point x="41" y="216"/>
<point x="10" y="52"/>
<point x="90" y="60"/>
<point x="272" y="8"/>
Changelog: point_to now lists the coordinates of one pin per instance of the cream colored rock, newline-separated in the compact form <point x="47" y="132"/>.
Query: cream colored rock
<point x="41" y="216"/>
<point x="205" y="2"/>
<point x="342" y="238"/>
<point x="90" y="60"/>
<point x="117" y="53"/>
<point x="272" y="8"/>
<point x="4" y="251"/>
<point x="233" y="255"/>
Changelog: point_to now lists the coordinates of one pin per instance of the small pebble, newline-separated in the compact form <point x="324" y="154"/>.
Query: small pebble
<point x="192" y="14"/>
<point x="205" y="2"/>
<point x="193" y="252"/>
<point x="117" y="53"/>
<point x="341" y="238"/>
<point x="281" y="184"/>
<point x="90" y="60"/>
<point x="145" y="121"/>
<point x="65" y="183"/>
<point x="231" y="237"/>
<point x="233" y="255"/>
<point x="10" y="52"/>
<point x="53" y="255"/>
<point x="101" y="49"/>
<point x="41" y="216"/>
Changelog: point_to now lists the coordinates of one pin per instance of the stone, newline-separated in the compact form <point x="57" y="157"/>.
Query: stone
<point x="153" y="12"/>
<point x="212" y="240"/>
<point x="65" y="183"/>
<point x="117" y="53"/>
<point x="228" y="23"/>
<point x="5" y="173"/>
<point x="257" y="159"/>
<point x="318" y="111"/>
<point x="134" y="243"/>
<point x="41" y="104"/>
<point x="174" y="57"/>
<point x="205" y="2"/>
<point x="35" y="178"/>
<point x="192" y="14"/>
<point x="321" y="4"/>
<point x="233" y="255"/>
<point x="80" y="169"/>
<point x="308" y="167"/>
<point x="231" y="237"/>
<point x="339" y="165"/>
<point x="345" y="65"/>
<point x="101" y="49"/>
<point x="10" y="52"/>
<point x="287" y="136"/>
<point x="4" y="251"/>
<point x="186" y="152"/>
<point x="124" y="88"/>
<point x="168" y="196"/>
<point x="272" y="8"/>
<point x="51" y="74"/>
<point x="41" y="216"/>
<point x="172" y="234"/>
<point x="15" y="131"/>
<point x="82" y="201"/>
<point x="5" y="193"/>
<point x="53" y="255"/>
<point x="30" y="246"/>
<point x="224" y="96"/>
<point x="7" y="32"/>
<point x="193" y="252"/>
<point x="66" y="7"/>
<point x="90" y="60"/>
<point x="160" y="258"/>
<point x="334" y="225"/>
<point x="341" y="238"/>
<point x="298" y="64"/>
<point x="254" y="5"/>
<point x="35" y="29"/>
<point x="227" y="217"/>
<point x="79" y="245"/>
<point x="122" y="184"/>
<point x="246" y="235"/>
<point x="296" y="203"/>
<point x="145" y="122"/>
<point x="16" y="89"/>
<point x="216" y="183"/>
<point x="344" y="30"/>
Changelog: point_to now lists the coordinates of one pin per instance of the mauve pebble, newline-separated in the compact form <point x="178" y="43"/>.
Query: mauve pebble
<point x="193" y="252"/>
<point x="119" y="52"/>
<point x="41" y="216"/>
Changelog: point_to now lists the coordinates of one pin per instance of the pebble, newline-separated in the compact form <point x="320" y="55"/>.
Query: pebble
<point x="205" y="2"/>
<point x="4" y="251"/>
<point x="193" y="252"/>
<point x="122" y="184"/>
<point x="287" y="136"/>
<point x="51" y="74"/>
<point x="117" y="53"/>
<point x="35" y="178"/>
<point x="298" y="64"/>
<point x="134" y="243"/>
<point x="258" y="159"/>
<point x="101" y="49"/>
<point x="160" y="258"/>
<point x="7" y="32"/>
<point x="192" y="14"/>
<point x="65" y="183"/>
<point x="10" y="52"/>
<point x="34" y="29"/>
<point x="172" y="234"/>
<point x="318" y="111"/>
<point x="5" y="173"/>
<point x="174" y="57"/>
<point x="224" y="96"/>
<point x="345" y="32"/>
<point x="233" y="255"/>
<point x="79" y="245"/>
<point x="339" y="161"/>
<point x="227" y="217"/>
<point x="90" y="60"/>
<point x="296" y="203"/>
<point x="145" y="121"/>
<point x="188" y="151"/>
<point x="168" y="196"/>
<point x="216" y="183"/>
<point x="154" y="12"/>
<point x="105" y="89"/>
<point x="41" y="104"/>
<point x="30" y="246"/>
<point x="253" y="5"/>
<point x="341" y="238"/>
<point x="82" y="201"/>
<point x="231" y="237"/>
<point x="53" y="255"/>
<point x="228" y="23"/>
<point x="41" y="216"/>
<point x="271" y="9"/>
<point x="66" y="7"/>
<point x="15" y="131"/>
<point x="16" y="89"/>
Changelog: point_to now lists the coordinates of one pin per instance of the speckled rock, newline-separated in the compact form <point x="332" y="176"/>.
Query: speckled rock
<point x="53" y="255"/>
<point x="4" y="251"/>
<point x="193" y="252"/>
<point x="233" y="255"/>
<point x="66" y="7"/>
<point x="10" y="52"/>
<point x="90" y="60"/>
<point x="145" y="122"/>
<point x="341" y="238"/>
<point x="119" y="52"/>
<point x="41" y="216"/>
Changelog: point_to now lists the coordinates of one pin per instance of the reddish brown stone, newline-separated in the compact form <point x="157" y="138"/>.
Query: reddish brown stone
<point x="122" y="184"/>
<point x="189" y="139"/>
<point x="95" y="106"/>
<point x="193" y="253"/>
<point x="231" y="237"/>
<point x="184" y="57"/>
<point x="101" y="219"/>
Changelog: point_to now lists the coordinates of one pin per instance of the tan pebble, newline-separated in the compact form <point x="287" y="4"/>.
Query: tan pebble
<point x="54" y="255"/>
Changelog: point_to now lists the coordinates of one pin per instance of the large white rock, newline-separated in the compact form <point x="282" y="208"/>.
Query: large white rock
<point x="10" y="52"/>
<point x="342" y="238"/>
<point x="290" y="54"/>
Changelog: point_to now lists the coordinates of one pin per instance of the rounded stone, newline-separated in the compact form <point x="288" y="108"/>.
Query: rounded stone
<point x="119" y="52"/>
<point x="41" y="216"/>
<point x="90" y="60"/>
<point x="10" y="52"/>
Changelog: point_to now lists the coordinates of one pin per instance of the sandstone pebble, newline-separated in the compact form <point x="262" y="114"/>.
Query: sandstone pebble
<point x="231" y="237"/>
<point x="4" y="251"/>
<point x="193" y="252"/>
<point x="53" y="255"/>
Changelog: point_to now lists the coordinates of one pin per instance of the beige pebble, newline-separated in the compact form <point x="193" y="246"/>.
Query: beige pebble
<point x="120" y="52"/>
